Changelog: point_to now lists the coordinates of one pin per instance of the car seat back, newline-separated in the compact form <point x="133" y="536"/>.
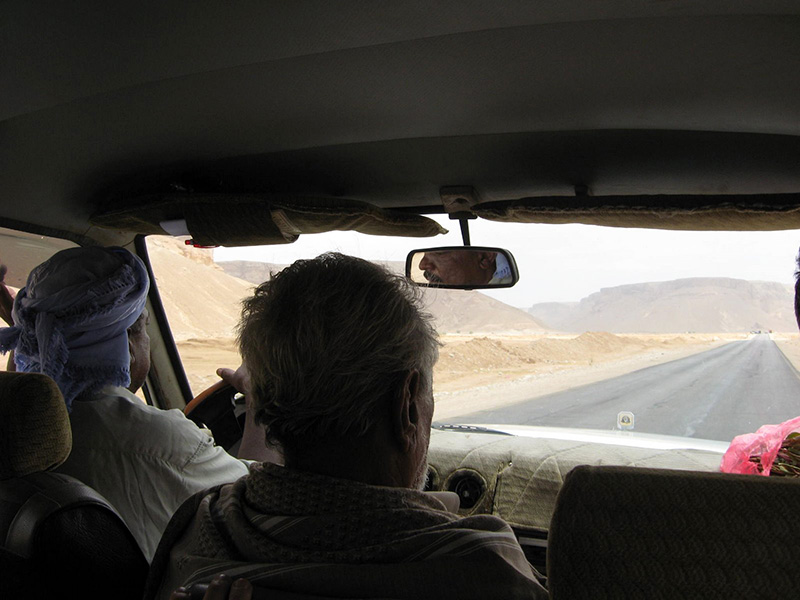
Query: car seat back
<point x="625" y="532"/>
<point x="56" y="533"/>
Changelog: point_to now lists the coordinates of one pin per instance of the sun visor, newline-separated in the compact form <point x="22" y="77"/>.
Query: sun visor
<point x="698" y="213"/>
<point x="255" y="219"/>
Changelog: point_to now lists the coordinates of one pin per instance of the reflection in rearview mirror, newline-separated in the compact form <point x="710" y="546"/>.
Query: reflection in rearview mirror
<point x="462" y="267"/>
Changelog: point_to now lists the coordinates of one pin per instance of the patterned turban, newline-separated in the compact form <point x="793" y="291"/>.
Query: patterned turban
<point x="71" y="319"/>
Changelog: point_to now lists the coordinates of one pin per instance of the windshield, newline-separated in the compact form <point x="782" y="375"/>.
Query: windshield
<point x="689" y="334"/>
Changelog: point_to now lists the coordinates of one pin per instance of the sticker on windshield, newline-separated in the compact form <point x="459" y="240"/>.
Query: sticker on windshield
<point x="625" y="420"/>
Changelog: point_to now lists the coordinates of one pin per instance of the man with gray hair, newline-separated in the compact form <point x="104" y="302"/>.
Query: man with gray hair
<point x="341" y="359"/>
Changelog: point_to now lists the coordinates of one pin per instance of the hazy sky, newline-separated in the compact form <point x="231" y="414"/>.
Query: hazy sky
<point x="569" y="262"/>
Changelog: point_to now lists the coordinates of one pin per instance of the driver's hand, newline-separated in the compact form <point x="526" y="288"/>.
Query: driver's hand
<point x="253" y="446"/>
<point x="239" y="379"/>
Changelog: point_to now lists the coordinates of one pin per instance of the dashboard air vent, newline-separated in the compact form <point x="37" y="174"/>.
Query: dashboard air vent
<point x="469" y="486"/>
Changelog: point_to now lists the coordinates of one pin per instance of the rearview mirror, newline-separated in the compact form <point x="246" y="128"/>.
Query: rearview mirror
<point x="462" y="267"/>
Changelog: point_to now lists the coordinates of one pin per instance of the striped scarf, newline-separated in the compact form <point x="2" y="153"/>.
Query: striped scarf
<point x="310" y="534"/>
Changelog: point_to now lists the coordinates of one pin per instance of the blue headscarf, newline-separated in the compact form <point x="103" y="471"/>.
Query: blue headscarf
<point x="71" y="319"/>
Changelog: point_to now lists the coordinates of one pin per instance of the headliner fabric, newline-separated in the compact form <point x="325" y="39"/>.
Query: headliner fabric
<point x="71" y="319"/>
<point x="253" y="219"/>
<point x="690" y="213"/>
<point x="621" y="532"/>
<point x="35" y="433"/>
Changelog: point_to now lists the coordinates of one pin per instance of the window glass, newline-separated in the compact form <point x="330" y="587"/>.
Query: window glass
<point x="689" y="334"/>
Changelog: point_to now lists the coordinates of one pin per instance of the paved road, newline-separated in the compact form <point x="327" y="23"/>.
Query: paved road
<point x="714" y="395"/>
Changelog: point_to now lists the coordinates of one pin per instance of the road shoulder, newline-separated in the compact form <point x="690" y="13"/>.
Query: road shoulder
<point x="789" y="344"/>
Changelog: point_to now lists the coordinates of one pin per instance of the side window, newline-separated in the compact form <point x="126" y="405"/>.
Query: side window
<point x="202" y="303"/>
<point x="20" y="252"/>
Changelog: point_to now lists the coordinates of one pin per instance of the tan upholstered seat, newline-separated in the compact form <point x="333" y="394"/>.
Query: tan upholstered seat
<point x="623" y="532"/>
<point x="56" y="534"/>
<point x="36" y="434"/>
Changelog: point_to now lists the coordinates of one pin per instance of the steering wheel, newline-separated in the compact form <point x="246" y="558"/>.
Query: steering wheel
<point x="221" y="409"/>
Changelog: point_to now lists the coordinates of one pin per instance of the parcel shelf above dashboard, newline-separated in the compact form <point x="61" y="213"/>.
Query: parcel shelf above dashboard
<point x="523" y="475"/>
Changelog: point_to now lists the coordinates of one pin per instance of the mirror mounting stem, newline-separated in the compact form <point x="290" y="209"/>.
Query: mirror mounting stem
<point x="463" y="220"/>
<point x="464" y="231"/>
<point x="458" y="201"/>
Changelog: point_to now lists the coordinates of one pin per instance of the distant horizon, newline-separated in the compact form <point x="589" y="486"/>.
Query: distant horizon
<point x="525" y="308"/>
<point x="566" y="263"/>
<point x="690" y="304"/>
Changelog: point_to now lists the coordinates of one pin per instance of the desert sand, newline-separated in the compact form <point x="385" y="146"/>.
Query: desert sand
<point x="482" y="372"/>
<point x="789" y="343"/>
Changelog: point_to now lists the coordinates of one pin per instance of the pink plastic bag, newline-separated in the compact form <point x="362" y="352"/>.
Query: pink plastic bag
<point x="764" y="443"/>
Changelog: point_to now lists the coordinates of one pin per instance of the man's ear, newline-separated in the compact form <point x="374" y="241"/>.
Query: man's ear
<point x="405" y="412"/>
<point x="487" y="259"/>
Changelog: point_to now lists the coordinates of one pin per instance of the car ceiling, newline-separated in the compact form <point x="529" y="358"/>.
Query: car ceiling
<point x="388" y="102"/>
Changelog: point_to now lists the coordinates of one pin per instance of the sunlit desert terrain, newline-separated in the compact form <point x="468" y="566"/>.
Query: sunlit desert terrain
<point x="476" y="370"/>
<point x="480" y="372"/>
<point x="482" y="368"/>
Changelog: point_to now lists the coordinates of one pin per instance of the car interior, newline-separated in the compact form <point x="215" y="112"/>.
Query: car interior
<point x="262" y="124"/>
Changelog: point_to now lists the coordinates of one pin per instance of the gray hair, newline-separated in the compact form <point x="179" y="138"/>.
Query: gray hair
<point x="326" y="342"/>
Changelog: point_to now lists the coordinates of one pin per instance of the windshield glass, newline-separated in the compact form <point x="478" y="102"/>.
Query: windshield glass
<point x="689" y="334"/>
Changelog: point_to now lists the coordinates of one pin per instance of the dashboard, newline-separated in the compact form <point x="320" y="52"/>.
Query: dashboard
<point x="517" y="477"/>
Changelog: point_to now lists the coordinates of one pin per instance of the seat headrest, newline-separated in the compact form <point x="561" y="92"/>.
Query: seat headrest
<point x="35" y="433"/>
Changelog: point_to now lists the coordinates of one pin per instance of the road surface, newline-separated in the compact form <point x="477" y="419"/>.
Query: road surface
<point x="715" y="395"/>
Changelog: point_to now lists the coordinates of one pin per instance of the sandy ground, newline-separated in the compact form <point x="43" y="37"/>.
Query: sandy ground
<point x="789" y="343"/>
<point x="481" y="372"/>
<point x="202" y="358"/>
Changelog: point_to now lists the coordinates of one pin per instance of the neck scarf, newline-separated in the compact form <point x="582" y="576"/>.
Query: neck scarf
<point x="71" y="319"/>
<point x="324" y="537"/>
